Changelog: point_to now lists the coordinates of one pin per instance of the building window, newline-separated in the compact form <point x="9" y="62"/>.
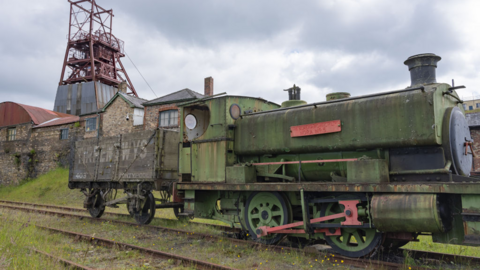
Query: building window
<point x="464" y="107"/>
<point x="64" y="134"/>
<point x="12" y="133"/>
<point x="470" y="108"/>
<point x="478" y="105"/>
<point x="90" y="124"/>
<point x="168" y="118"/>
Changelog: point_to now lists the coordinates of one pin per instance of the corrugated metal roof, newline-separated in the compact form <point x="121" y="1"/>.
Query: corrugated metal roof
<point x="13" y="113"/>
<point x="59" y="121"/>
<point x="183" y="95"/>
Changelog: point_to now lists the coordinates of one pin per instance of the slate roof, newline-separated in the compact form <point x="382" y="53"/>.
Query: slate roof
<point x="181" y="95"/>
<point x="132" y="101"/>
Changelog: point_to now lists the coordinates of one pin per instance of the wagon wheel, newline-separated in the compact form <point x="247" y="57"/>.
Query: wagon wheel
<point x="130" y="211"/>
<point x="353" y="242"/>
<point x="266" y="209"/>
<point x="97" y="204"/>
<point x="147" y="212"/>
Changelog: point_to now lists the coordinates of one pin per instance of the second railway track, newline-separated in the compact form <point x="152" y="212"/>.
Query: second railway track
<point x="354" y="262"/>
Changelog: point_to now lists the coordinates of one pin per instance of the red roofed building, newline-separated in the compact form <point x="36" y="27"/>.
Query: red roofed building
<point x="34" y="140"/>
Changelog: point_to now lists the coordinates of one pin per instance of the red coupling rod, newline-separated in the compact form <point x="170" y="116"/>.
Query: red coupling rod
<point x="350" y="214"/>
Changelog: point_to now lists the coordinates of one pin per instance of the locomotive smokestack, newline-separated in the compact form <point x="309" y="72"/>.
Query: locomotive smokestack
<point x="422" y="68"/>
<point x="293" y="93"/>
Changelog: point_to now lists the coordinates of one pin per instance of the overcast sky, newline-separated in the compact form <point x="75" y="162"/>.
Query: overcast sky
<point x="254" y="48"/>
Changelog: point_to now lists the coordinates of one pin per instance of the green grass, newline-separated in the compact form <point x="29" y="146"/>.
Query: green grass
<point x="425" y="243"/>
<point x="50" y="188"/>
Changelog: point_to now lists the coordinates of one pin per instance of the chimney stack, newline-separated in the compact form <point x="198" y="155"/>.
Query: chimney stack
<point x="122" y="87"/>
<point x="208" y="86"/>
<point x="422" y="68"/>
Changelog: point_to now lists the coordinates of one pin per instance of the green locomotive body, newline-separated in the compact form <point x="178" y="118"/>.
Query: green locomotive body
<point x="359" y="172"/>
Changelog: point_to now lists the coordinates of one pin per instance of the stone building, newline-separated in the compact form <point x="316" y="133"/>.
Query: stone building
<point x="162" y="112"/>
<point x="34" y="140"/>
<point x="122" y="114"/>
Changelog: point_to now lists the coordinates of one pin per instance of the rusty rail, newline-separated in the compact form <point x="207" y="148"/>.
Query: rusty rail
<point x="74" y="209"/>
<point x="69" y="264"/>
<point x="197" y="264"/>
<point x="357" y="262"/>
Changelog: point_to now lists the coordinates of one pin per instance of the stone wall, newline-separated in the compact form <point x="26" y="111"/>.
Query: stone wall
<point x="114" y="119"/>
<point x="150" y="120"/>
<point x="13" y="154"/>
<point x="35" y="151"/>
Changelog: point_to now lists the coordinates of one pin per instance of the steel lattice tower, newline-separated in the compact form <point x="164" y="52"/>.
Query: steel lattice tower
<point x="93" y="52"/>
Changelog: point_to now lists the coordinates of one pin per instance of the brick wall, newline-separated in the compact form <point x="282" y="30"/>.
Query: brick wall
<point x="35" y="151"/>
<point x="150" y="118"/>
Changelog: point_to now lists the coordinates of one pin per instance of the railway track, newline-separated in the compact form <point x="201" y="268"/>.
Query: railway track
<point x="185" y="261"/>
<point x="309" y="250"/>
<point x="74" y="209"/>
<point x="67" y="263"/>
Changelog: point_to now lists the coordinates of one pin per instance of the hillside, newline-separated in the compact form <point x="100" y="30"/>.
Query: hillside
<point x="50" y="188"/>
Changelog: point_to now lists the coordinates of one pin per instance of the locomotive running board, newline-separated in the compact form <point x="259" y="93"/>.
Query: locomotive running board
<point x="350" y="214"/>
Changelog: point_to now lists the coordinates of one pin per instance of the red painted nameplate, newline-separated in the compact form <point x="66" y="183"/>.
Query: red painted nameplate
<point x="315" y="129"/>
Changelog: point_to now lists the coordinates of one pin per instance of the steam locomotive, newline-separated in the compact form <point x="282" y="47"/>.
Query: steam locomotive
<point x="359" y="172"/>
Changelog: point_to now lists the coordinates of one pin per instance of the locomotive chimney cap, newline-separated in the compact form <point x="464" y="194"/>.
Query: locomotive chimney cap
<point x="422" y="68"/>
<point x="423" y="59"/>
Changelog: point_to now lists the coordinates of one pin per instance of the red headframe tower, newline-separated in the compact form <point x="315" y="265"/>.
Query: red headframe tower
<point x="92" y="71"/>
<point x="93" y="52"/>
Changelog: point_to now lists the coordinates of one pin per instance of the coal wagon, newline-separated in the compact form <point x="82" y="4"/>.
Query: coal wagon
<point x="138" y="164"/>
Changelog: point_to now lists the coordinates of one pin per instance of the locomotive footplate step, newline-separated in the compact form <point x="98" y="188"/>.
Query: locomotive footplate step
<point x="168" y="205"/>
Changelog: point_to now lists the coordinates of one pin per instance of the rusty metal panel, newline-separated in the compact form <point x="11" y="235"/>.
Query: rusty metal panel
<point x="316" y="128"/>
<point x="12" y="114"/>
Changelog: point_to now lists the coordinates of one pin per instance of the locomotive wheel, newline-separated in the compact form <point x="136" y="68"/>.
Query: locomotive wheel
<point x="266" y="209"/>
<point x="353" y="242"/>
<point x="147" y="212"/>
<point x="98" y="205"/>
